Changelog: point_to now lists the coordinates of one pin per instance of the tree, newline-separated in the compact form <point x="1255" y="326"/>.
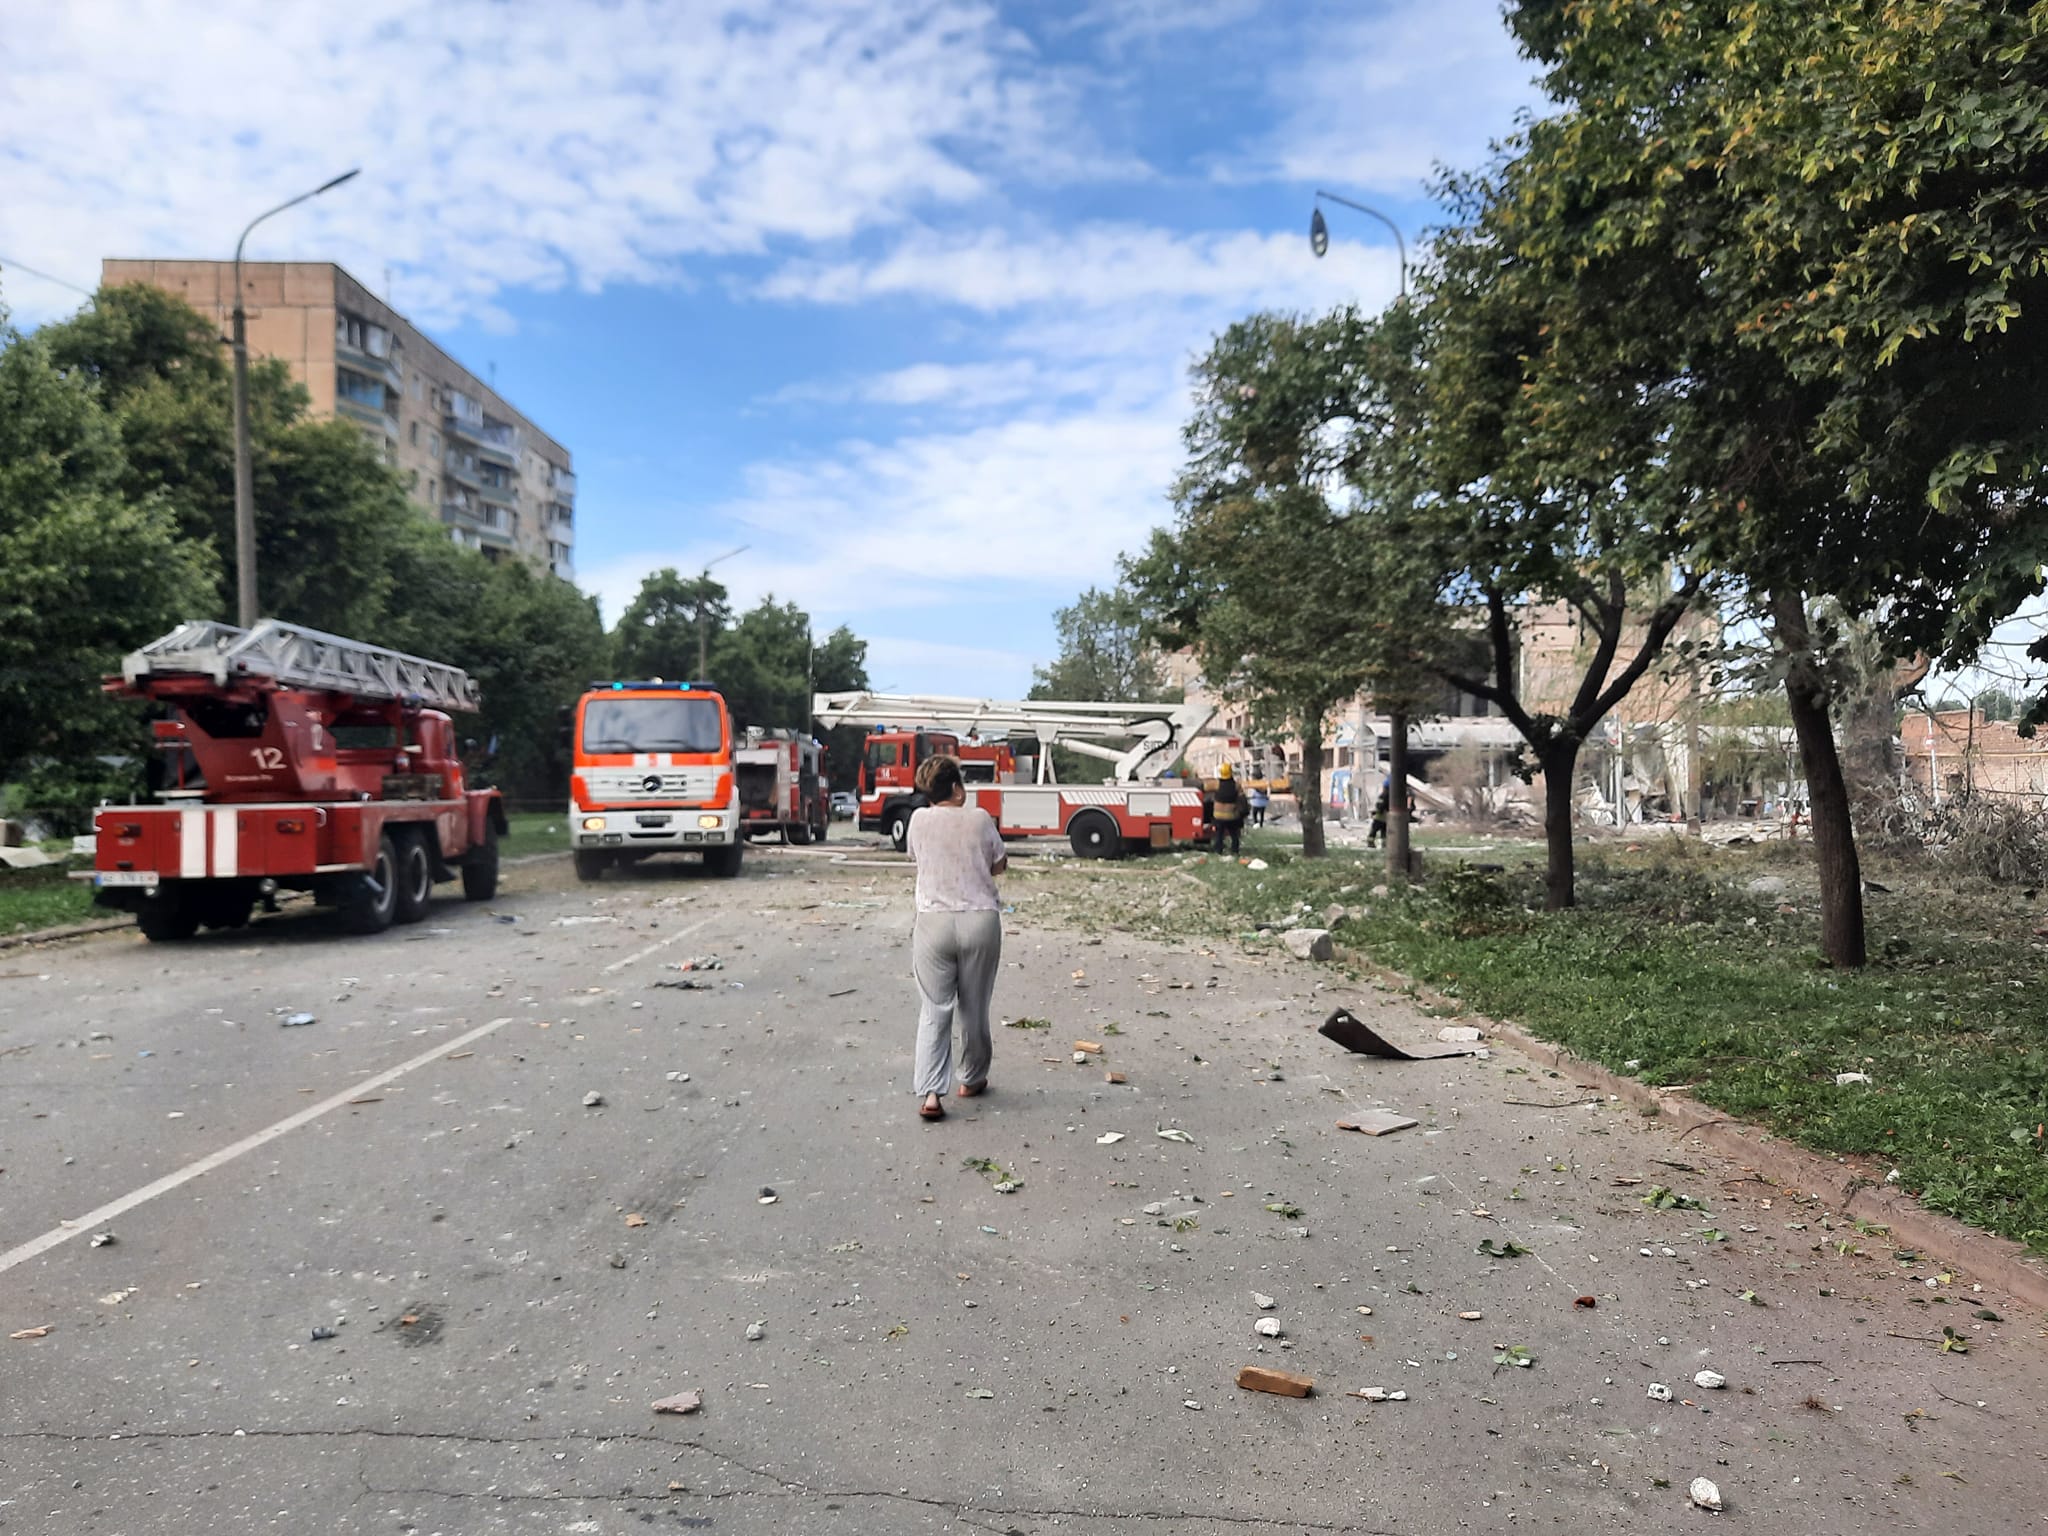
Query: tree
<point x="1252" y="577"/>
<point x="1803" y="238"/>
<point x="85" y="575"/>
<point x="763" y="666"/>
<point x="666" y="629"/>
<point x="1103" y="657"/>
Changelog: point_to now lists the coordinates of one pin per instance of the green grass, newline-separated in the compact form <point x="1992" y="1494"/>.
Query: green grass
<point x="42" y="898"/>
<point x="534" y="832"/>
<point x="1672" y="971"/>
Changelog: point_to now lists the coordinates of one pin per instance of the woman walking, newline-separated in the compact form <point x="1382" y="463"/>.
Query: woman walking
<point x="958" y="941"/>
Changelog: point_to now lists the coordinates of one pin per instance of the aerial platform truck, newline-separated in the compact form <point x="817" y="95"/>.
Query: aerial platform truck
<point x="292" y="759"/>
<point x="1005" y="748"/>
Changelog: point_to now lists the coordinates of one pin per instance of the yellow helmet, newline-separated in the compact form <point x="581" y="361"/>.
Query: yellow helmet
<point x="1224" y="772"/>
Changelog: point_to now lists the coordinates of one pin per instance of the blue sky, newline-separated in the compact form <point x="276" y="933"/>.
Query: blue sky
<point x="902" y="296"/>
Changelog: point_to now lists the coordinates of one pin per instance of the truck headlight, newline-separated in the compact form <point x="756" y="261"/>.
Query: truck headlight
<point x="710" y="821"/>
<point x="593" y="823"/>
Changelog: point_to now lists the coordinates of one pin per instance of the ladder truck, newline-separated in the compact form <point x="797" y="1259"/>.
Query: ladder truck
<point x="1131" y="809"/>
<point x="292" y="759"/>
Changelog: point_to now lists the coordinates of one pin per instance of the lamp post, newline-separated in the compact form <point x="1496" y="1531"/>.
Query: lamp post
<point x="704" y="612"/>
<point x="246" y="612"/>
<point x="1398" y="860"/>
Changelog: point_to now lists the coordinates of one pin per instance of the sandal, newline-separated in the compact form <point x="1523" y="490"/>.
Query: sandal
<point x="971" y="1090"/>
<point x="932" y="1109"/>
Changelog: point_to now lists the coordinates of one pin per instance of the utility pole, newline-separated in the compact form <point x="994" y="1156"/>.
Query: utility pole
<point x="246" y="609"/>
<point x="1695" y="775"/>
<point x="704" y="612"/>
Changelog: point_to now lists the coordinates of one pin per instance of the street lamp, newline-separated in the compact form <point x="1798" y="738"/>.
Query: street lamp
<point x="1319" y="231"/>
<point x="246" y="611"/>
<point x="704" y="613"/>
<point x="1398" y="862"/>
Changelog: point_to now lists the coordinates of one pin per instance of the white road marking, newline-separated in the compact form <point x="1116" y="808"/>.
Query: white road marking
<point x="228" y="1154"/>
<point x="680" y="933"/>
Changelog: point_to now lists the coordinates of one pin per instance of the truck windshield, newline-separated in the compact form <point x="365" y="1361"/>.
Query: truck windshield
<point x="652" y="725"/>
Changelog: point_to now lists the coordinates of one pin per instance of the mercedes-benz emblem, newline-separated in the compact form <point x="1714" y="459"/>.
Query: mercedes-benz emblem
<point x="652" y="783"/>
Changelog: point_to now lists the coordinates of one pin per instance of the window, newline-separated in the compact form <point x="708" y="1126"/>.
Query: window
<point x="652" y="725"/>
<point x="412" y="479"/>
<point x="433" y="442"/>
<point x="464" y="409"/>
<point x="362" y="335"/>
<point x="433" y="489"/>
<point x="354" y="386"/>
<point x="414" y="433"/>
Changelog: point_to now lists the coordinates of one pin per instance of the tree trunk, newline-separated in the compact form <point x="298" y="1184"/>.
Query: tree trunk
<point x="1560" y="764"/>
<point x="1308" y="793"/>
<point x="1398" y="863"/>
<point x="1834" y="836"/>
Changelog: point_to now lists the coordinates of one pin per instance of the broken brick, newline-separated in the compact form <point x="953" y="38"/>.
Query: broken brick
<point x="1259" y="1378"/>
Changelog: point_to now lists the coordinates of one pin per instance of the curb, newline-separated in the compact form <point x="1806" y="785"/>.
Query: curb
<point x="1845" y="1185"/>
<point x="74" y="931"/>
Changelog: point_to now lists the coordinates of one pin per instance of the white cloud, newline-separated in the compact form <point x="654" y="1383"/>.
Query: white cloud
<point x="1098" y="266"/>
<point x="1385" y="97"/>
<point x="953" y="386"/>
<point x="508" y="146"/>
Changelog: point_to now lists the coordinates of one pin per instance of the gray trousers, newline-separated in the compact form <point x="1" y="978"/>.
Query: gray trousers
<point x="954" y="956"/>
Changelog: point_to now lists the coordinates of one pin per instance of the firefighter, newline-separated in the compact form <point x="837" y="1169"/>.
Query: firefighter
<point x="1227" y="814"/>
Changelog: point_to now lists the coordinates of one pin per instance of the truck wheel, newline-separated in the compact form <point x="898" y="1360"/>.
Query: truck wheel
<point x="371" y="900"/>
<point x="824" y="826"/>
<point x="1095" y="835"/>
<point x="798" y="833"/>
<point x="590" y="864"/>
<point x="415" y="874"/>
<point x="227" y="907"/>
<point x="167" y="916"/>
<point x="898" y="826"/>
<point x="724" y="862"/>
<point x="480" y="869"/>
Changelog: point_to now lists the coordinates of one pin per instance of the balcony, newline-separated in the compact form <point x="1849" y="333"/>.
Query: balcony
<point x="562" y="482"/>
<point x="561" y="531"/>
<point x="498" y="495"/>
<point x="462" y="472"/>
<point x="477" y="526"/>
<point x="470" y="432"/>
<point x="365" y="363"/>
<point x="488" y="452"/>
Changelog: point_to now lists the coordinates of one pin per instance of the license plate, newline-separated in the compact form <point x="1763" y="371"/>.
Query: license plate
<point x="125" y="877"/>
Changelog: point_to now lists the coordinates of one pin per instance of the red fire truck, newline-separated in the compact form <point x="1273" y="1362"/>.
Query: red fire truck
<point x="653" y="774"/>
<point x="1134" y="809"/>
<point x="299" y="760"/>
<point x="780" y="777"/>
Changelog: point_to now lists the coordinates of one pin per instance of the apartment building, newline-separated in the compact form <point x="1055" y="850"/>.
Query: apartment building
<point x="470" y="461"/>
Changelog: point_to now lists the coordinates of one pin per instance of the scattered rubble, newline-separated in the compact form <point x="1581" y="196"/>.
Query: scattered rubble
<point x="1309" y="943"/>
<point x="1713" y="1381"/>
<point x="1704" y="1494"/>
<point x="1263" y="1302"/>
<point x="1378" y="1122"/>
<point x="1259" y="1378"/>
<point x="682" y="1402"/>
<point x="593" y="1100"/>
<point x="1267" y="1328"/>
<point x="1658" y="1392"/>
<point x="757" y="1331"/>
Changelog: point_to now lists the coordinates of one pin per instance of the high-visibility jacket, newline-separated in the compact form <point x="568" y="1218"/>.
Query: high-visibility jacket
<point x="1229" y="801"/>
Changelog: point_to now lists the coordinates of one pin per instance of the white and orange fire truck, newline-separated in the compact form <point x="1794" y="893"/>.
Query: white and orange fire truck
<point x="1005" y="748"/>
<point x="652" y="772"/>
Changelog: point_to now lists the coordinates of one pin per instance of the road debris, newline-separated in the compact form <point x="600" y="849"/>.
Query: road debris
<point x="1109" y="1138"/>
<point x="296" y="1020"/>
<point x="1175" y="1133"/>
<point x="115" y="1298"/>
<point x="33" y="1333"/>
<point x="102" y="1240"/>
<point x="1267" y="1328"/>
<point x="982" y="1393"/>
<point x="1658" y="1392"/>
<point x="635" y="1219"/>
<point x="1379" y="1395"/>
<point x="1088" y="1047"/>
<point x="1844" y="1079"/>
<point x="1263" y="1302"/>
<point x="1470" y="1317"/>
<point x="698" y="963"/>
<point x="1259" y="1378"/>
<point x="679" y="1077"/>
<point x="1378" y="1122"/>
<point x="1713" y="1381"/>
<point x="1354" y="1034"/>
<point x="322" y="1335"/>
<point x="1459" y="1034"/>
<point x="1512" y="1354"/>
<point x="1309" y="943"/>
<point x="1505" y="1248"/>
<point x="1588" y="1302"/>
<point x="1112" y="1077"/>
<point x="593" y="1100"/>
<point x="1704" y="1494"/>
<point x="767" y="1195"/>
<point x="682" y="1402"/>
<point x="757" y="1331"/>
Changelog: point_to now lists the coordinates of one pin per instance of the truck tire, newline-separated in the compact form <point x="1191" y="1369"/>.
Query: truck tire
<point x="415" y="876"/>
<point x="226" y="906"/>
<point x="167" y="916"/>
<point x="898" y="827"/>
<point x="1095" y="835"/>
<point x="798" y="833"/>
<point x="591" y="865"/>
<point x="724" y="862"/>
<point x="370" y="900"/>
<point x="822" y="828"/>
<point x="480" y="869"/>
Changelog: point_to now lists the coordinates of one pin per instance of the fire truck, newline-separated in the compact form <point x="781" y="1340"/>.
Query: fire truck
<point x="653" y="774"/>
<point x="780" y="779"/>
<point x="1005" y="750"/>
<point x="293" y="759"/>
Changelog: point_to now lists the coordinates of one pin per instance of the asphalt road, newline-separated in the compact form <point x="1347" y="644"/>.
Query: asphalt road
<point x="512" y="1277"/>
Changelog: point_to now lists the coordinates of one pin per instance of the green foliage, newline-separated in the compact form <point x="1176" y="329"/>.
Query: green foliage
<point x="85" y="574"/>
<point x="1104" y="657"/>
<point x="669" y="620"/>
